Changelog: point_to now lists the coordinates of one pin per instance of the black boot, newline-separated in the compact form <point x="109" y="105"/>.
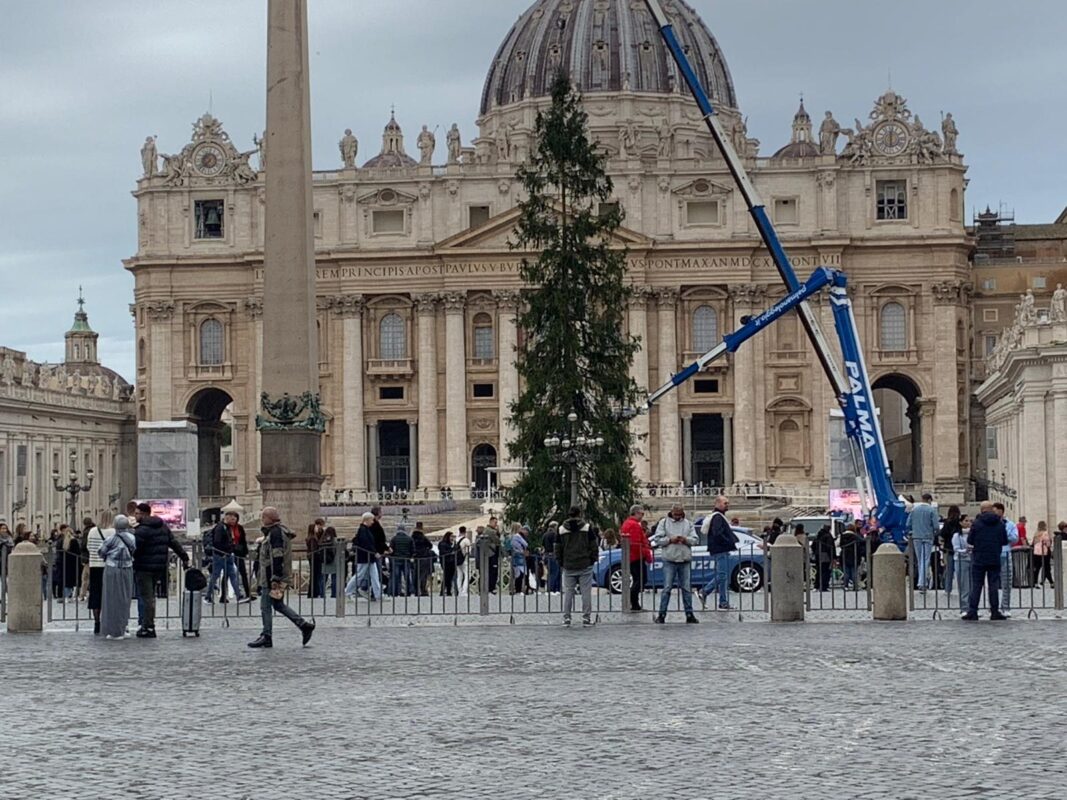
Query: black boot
<point x="307" y="629"/>
<point x="691" y="618"/>
<point x="264" y="640"/>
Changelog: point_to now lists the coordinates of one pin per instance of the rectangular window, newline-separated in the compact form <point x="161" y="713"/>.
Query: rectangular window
<point x="785" y="211"/>
<point x="989" y="284"/>
<point x="317" y="222"/>
<point x="208" y="218"/>
<point x="1040" y="282"/>
<point x="990" y="315"/>
<point x="388" y="221"/>
<point x="604" y="209"/>
<point x="990" y="344"/>
<point x="477" y="215"/>
<point x="483" y="342"/>
<point x="706" y="386"/>
<point x="391" y="393"/>
<point x="702" y="212"/>
<point x="892" y="199"/>
<point x="21" y="456"/>
<point x="483" y="390"/>
<point x="991" y="443"/>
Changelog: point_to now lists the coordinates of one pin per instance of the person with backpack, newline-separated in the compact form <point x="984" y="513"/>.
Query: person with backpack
<point x="676" y="535"/>
<point x="577" y="550"/>
<point x="223" y="564"/>
<point x="721" y="542"/>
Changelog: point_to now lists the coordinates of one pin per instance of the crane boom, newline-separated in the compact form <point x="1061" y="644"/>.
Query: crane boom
<point x="852" y="386"/>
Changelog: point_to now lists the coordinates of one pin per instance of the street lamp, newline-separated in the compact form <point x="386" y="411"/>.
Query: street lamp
<point x="573" y="447"/>
<point x="73" y="488"/>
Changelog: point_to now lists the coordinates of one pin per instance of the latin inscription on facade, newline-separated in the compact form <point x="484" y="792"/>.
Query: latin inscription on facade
<point x="505" y="267"/>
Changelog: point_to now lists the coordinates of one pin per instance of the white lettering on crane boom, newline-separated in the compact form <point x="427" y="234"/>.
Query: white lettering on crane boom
<point x="860" y="404"/>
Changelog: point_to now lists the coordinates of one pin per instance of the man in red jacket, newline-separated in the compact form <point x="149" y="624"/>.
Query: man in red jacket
<point x="640" y="553"/>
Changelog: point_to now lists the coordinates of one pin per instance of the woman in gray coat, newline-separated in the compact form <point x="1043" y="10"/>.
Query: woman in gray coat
<point x="117" y="552"/>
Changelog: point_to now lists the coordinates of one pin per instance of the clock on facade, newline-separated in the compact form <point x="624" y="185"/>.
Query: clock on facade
<point x="891" y="138"/>
<point x="209" y="159"/>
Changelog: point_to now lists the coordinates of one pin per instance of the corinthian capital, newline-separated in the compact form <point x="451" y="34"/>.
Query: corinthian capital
<point x="666" y="296"/>
<point x="507" y="299"/>
<point x="639" y="296"/>
<point x="748" y="293"/>
<point x="454" y="302"/>
<point x="348" y="305"/>
<point x="426" y="302"/>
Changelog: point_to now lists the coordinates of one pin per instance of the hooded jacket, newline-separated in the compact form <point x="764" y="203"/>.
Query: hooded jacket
<point x="668" y="529"/>
<point x="987" y="537"/>
<point x="577" y="547"/>
<point x="154" y="538"/>
<point x="275" y="555"/>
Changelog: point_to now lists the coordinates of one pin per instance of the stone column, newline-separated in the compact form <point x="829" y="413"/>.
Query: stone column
<point x="456" y="390"/>
<point x="290" y="465"/>
<point x="728" y="448"/>
<point x="413" y="461"/>
<point x="350" y="309"/>
<point x="428" y="456"/>
<point x="744" y="392"/>
<point x="1032" y="478"/>
<point x="160" y="317"/>
<point x="638" y="328"/>
<point x="372" y="457"/>
<point x="927" y="408"/>
<point x="1058" y="505"/>
<point x="667" y="408"/>
<point x="946" y="441"/>
<point x="687" y="450"/>
<point x="507" y="308"/>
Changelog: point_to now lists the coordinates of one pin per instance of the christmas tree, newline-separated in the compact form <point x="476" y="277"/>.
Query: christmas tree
<point x="574" y="360"/>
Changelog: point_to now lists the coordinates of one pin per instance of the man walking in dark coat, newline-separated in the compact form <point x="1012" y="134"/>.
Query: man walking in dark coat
<point x="150" y="558"/>
<point x="275" y="572"/>
<point x="987" y="538"/>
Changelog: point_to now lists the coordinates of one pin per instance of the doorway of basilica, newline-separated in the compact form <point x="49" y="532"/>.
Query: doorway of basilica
<point x="394" y="455"/>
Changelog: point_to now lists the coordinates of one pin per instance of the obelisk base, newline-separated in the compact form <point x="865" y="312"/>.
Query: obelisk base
<point x="289" y="476"/>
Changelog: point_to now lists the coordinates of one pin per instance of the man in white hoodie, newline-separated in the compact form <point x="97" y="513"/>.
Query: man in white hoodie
<point x="676" y="535"/>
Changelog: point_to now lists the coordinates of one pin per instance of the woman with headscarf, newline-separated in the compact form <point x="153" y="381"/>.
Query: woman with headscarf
<point x="117" y="552"/>
<point x="519" y="546"/>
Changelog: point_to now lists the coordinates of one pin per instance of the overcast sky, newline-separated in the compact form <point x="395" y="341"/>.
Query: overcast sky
<point x="82" y="84"/>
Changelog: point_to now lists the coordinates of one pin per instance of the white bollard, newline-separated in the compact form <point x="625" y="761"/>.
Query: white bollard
<point x="890" y="583"/>
<point x="787" y="579"/>
<point x="24" y="589"/>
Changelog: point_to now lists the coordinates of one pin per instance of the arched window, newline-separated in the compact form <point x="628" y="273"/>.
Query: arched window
<point x="211" y="349"/>
<point x="392" y="341"/>
<point x="894" y="327"/>
<point x="955" y="212"/>
<point x="705" y="329"/>
<point x="483" y="336"/>
<point x="141" y="363"/>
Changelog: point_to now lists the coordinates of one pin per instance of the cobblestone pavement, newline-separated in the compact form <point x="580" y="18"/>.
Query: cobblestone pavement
<point x="628" y="710"/>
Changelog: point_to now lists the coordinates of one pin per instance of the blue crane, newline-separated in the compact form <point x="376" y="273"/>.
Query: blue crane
<point x="852" y="386"/>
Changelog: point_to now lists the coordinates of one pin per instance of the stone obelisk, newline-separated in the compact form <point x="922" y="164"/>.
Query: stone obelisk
<point x="290" y="420"/>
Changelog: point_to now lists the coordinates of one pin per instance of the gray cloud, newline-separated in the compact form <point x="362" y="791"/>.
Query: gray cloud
<point x="82" y="84"/>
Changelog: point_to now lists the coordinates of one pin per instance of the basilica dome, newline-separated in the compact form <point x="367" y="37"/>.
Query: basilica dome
<point x="606" y="46"/>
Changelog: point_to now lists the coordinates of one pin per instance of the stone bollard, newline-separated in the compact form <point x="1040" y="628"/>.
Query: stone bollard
<point x="624" y="574"/>
<point x="787" y="579"/>
<point x="890" y="583"/>
<point x="24" y="589"/>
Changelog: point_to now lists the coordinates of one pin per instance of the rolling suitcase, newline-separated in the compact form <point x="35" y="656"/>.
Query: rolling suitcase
<point x="192" y="602"/>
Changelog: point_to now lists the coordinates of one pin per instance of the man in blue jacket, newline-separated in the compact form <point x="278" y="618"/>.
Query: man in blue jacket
<point x="923" y="523"/>
<point x="987" y="537"/>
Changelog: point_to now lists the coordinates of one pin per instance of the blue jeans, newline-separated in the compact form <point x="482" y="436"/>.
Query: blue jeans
<point x="1005" y="581"/>
<point x="401" y="577"/>
<point x="963" y="569"/>
<point x="849" y="579"/>
<point x="722" y="571"/>
<point x="554" y="582"/>
<point x="679" y="572"/>
<point x="923" y="548"/>
<point x="267" y="607"/>
<point x="365" y="573"/>
<point x="224" y="565"/>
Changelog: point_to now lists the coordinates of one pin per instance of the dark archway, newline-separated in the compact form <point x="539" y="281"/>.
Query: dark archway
<point x="482" y="460"/>
<point x="205" y="410"/>
<point x="897" y="399"/>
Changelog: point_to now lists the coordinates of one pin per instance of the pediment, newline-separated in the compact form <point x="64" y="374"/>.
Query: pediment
<point x="386" y="197"/>
<point x="701" y="188"/>
<point x="497" y="232"/>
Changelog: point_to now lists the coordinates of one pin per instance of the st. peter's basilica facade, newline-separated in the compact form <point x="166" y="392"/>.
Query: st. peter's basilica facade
<point x="418" y="289"/>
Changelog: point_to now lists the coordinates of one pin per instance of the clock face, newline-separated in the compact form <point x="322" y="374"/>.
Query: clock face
<point x="891" y="138"/>
<point x="209" y="160"/>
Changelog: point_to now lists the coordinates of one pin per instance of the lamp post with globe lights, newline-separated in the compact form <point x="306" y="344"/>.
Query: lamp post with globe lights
<point x="73" y="488"/>
<point x="572" y="448"/>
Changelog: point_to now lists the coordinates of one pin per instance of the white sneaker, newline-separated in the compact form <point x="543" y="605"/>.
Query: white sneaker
<point x="566" y="623"/>
<point x="109" y="637"/>
<point x="1005" y="612"/>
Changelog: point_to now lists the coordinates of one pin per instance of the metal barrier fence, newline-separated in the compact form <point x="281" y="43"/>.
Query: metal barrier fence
<point x="342" y="581"/>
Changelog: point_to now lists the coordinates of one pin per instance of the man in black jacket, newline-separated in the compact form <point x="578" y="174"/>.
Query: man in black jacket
<point x="987" y="538"/>
<point x="577" y="550"/>
<point x="150" y="559"/>
<point x="721" y="541"/>
<point x="223" y="562"/>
